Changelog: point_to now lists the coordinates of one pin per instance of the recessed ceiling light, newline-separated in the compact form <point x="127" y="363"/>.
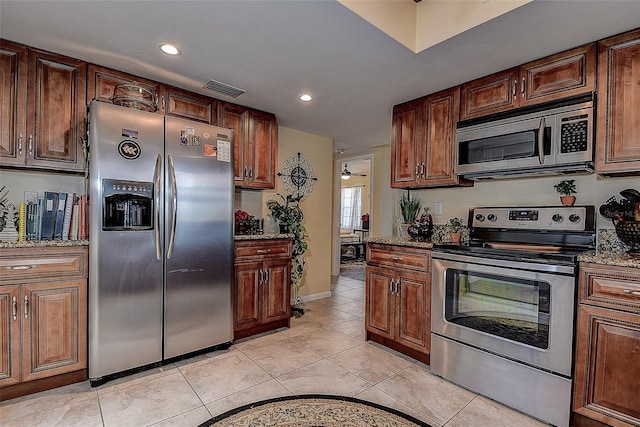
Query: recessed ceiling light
<point x="305" y="97"/>
<point x="170" y="49"/>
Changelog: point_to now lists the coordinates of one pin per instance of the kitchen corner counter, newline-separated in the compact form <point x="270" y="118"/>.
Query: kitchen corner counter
<point x="266" y="236"/>
<point x="619" y="259"/>
<point x="395" y="241"/>
<point x="43" y="244"/>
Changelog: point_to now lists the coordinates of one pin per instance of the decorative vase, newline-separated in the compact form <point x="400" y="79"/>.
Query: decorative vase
<point x="567" y="200"/>
<point x="403" y="231"/>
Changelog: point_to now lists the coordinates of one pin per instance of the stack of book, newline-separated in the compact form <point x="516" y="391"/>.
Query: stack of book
<point x="56" y="216"/>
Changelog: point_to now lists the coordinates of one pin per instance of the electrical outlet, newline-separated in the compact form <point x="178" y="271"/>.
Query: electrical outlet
<point x="437" y="208"/>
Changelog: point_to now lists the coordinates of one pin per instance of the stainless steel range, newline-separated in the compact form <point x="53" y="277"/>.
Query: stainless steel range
<point x="503" y="307"/>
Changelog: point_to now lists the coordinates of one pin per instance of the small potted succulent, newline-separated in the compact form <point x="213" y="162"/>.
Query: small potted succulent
<point x="566" y="189"/>
<point x="455" y="226"/>
<point x="409" y="209"/>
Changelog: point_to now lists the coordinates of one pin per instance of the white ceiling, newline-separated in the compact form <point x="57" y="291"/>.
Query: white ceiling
<point x="275" y="50"/>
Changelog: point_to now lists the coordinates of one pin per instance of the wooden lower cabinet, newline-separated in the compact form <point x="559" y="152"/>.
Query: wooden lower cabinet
<point x="262" y="294"/>
<point x="607" y="367"/>
<point x="43" y="307"/>
<point x="398" y="299"/>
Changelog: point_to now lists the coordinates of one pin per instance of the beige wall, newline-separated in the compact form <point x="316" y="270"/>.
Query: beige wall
<point x="317" y="206"/>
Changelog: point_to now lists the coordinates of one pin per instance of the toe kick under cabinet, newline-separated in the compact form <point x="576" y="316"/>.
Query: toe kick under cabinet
<point x="607" y="366"/>
<point x="43" y="318"/>
<point x="262" y="294"/>
<point x="398" y="299"/>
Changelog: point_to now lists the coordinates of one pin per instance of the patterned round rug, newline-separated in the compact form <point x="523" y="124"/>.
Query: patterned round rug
<point x="313" y="411"/>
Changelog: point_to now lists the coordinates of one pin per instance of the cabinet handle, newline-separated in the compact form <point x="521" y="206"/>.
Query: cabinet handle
<point x="422" y="168"/>
<point x="20" y="144"/>
<point x="261" y="278"/>
<point x="263" y="251"/>
<point x="15" y="308"/>
<point x="30" y="145"/>
<point x="391" y="287"/>
<point x="515" y="88"/>
<point x="251" y="173"/>
<point x="417" y="169"/>
<point x="26" y="307"/>
<point x="21" y="267"/>
<point x="266" y="276"/>
<point x="244" y="175"/>
<point x="396" y="258"/>
<point x="397" y="285"/>
<point x="630" y="292"/>
<point x="522" y="88"/>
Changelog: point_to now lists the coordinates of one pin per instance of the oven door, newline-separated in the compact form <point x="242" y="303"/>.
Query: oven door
<point x="519" y="310"/>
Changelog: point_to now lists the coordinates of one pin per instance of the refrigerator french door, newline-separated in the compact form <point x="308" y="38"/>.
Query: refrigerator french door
<point x="161" y="238"/>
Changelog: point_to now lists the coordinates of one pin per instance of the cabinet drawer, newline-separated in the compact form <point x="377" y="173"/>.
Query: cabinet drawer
<point x="398" y="256"/>
<point x="255" y="249"/>
<point x="610" y="286"/>
<point x="22" y="265"/>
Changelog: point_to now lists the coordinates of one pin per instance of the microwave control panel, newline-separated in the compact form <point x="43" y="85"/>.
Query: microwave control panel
<point x="574" y="134"/>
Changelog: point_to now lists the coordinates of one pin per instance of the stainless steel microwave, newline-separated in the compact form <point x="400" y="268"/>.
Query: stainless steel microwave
<point x="552" y="141"/>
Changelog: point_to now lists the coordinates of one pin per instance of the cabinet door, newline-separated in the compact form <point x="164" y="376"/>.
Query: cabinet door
<point x="56" y="111"/>
<point x="263" y="137"/>
<point x="246" y="309"/>
<point x="488" y="95"/>
<point x="102" y="81"/>
<point x="236" y="117"/>
<point x="607" y="377"/>
<point x="10" y="343"/>
<point x="13" y="91"/>
<point x="413" y="310"/>
<point x="276" y="290"/>
<point x="407" y="143"/>
<point x="562" y="75"/>
<point x="618" y="127"/>
<point x="380" y="304"/>
<point x="442" y="111"/>
<point x="191" y="106"/>
<point x="54" y="328"/>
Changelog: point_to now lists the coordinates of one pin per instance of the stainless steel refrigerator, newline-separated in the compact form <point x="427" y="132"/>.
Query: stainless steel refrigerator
<point x="161" y="238"/>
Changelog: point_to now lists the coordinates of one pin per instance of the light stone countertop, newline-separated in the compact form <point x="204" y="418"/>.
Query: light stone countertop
<point x="620" y="259"/>
<point x="43" y="243"/>
<point x="395" y="241"/>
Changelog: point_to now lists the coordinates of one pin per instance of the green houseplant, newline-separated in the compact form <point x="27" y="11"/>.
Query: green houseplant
<point x="286" y="209"/>
<point x="409" y="208"/>
<point x="566" y="189"/>
<point x="455" y="226"/>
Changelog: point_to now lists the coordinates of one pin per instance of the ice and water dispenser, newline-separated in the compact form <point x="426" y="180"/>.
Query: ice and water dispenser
<point x="127" y="205"/>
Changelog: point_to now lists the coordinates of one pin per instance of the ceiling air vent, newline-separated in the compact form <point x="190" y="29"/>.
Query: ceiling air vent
<point x="224" y="88"/>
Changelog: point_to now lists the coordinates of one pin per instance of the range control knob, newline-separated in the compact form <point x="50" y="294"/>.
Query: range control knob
<point x="574" y="218"/>
<point x="480" y="217"/>
<point x="557" y="218"/>
<point x="491" y="217"/>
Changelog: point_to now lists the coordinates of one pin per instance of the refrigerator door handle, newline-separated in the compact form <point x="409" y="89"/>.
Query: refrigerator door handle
<point x="156" y="182"/>
<point x="174" y="206"/>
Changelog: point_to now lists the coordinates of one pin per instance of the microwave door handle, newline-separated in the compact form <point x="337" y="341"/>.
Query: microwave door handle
<point x="541" y="141"/>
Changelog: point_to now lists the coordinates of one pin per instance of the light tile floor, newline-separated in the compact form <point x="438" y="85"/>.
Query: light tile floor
<point x="324" y="352"/>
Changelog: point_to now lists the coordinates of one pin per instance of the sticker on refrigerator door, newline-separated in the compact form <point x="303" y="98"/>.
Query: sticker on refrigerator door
<point x="195" y="141"/>
<point x="128" y="149"/>
<point x="224" y="151"/>
<point x="205" y="135"/>
<point x="190" y="130"/>
<point x="129" y="133"/>
<point x="209" y="150"/>
<point x="183" y="138"/>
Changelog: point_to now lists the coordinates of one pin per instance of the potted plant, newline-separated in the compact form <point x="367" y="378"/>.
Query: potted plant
<point x="454" y="227"/>
<point x="287" y="211"/>
<point x="409" y="208"/>
<point x="566" y="189"/>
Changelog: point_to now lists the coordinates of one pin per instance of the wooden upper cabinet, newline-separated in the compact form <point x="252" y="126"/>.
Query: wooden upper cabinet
<point x="618" y="125"/>
<point x="56" y="112"/>
<point x="102" y="81"/>
<point x="488" y="95"/>
<point x="188" y="105"/>
<point x="562" y="75"/>
<point x="423" y="148"/>
<point x="256" y="139"/>
<point x="565" y="74"/>
<point x="13" y="90"/>
<point x="407" y="142"/>
<point x="263" y="139"/>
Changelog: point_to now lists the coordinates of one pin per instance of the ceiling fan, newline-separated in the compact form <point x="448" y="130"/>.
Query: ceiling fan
<point x="346" y="173"/>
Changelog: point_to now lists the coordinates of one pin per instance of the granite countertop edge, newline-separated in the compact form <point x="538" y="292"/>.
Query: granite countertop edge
<point x="266" y="236"/>
<point x="44" y="244"/>
<point x="619" y="259"/>
<point x="396" y="241"/>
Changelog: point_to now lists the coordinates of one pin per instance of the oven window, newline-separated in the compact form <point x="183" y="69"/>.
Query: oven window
<point x="511" y="308"/>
